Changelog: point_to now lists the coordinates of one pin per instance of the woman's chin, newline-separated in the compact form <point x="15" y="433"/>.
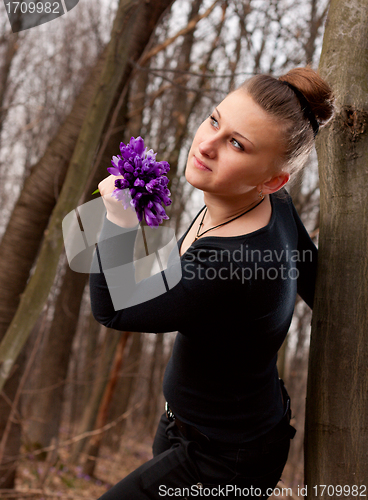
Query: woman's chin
<point x="196" y="180"/>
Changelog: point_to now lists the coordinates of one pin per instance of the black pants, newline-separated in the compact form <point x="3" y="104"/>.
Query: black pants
<point x="185" y="469"/>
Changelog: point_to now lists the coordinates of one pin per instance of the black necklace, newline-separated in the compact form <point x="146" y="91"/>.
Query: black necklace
<point x="227" y="222"/>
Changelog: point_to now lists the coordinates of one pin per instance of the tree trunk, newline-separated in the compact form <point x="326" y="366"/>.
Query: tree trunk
<point x="185" y="113"/>
<point x="20" y="244"/>
<point x="21" y="240"/>
<point x="137" y="102"/>
<point x="82" y="367"/>
<point x="101" y="420"/>
<point x="88" y="418"/>
<point x="337" y="405"/>
<point x="154" y="386"/>
<point x="46" y="406"/>
<point x="125" y="389"/>
<point x="128" y="41"/>
<point x="56" y="350"/>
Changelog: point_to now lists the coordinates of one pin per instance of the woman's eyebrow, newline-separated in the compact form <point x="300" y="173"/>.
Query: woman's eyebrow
<point x="235" y="133"/>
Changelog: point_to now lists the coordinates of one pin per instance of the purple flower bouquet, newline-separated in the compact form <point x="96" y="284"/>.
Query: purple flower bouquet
<point x="145" y="177"/>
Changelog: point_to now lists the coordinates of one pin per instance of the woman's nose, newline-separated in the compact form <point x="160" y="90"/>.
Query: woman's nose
<point x="208" y="148"/>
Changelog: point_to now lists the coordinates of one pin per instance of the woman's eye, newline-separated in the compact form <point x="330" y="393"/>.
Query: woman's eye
<point x="234" y="142"/>
<point x="214" y="122"/>
<point x="237" y="144"/>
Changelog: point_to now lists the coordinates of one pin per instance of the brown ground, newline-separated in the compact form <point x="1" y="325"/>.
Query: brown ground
<point x="67" y="482"/>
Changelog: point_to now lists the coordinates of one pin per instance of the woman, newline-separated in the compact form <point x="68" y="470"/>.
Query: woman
<point x="243" y="259"/>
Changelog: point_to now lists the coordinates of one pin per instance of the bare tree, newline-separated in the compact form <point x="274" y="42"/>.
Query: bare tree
<point x="124" y="392"/>
<point x="34" y="206"/>
<point x="337" y="413"/>
<point x="102" y="416"/>
<point x="177" y="81"/>
<point x="124" y="43"/>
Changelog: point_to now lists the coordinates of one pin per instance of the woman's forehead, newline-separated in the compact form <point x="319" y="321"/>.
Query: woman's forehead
<point x="242" y="114"/>
<point x="240" y="105"/>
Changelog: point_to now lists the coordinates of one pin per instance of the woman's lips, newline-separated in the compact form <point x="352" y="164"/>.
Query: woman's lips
<point x="199" y="164"/>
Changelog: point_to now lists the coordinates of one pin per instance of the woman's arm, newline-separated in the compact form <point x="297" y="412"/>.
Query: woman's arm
<point x="167" y="301"/>
<point x="307" y="264"/>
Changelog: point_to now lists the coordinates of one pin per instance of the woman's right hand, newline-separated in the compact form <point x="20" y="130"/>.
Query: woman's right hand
<point x="116" y="213"/>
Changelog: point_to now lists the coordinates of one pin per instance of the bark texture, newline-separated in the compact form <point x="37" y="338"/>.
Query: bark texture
<point x="56" y="350"/>
<point x="128" y="41"/>
<point x="337" y="405"/>
<point x="101" y="420"/>
<point x="11" y="48"/>
<point x="21" y="240"/>
<point x="46" y="406"/>
<point x="88" y="419"/>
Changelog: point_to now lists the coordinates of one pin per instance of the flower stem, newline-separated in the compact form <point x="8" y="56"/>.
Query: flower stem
<point x="144" y="239"/>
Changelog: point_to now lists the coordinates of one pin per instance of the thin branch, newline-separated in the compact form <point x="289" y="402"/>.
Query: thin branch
<point x="190" y="26"/>
<point x="191" y="73"/>
<point x="84" y="435"/>
<point x="142" y="61"/>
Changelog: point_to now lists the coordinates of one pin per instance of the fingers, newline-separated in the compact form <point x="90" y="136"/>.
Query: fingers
<point x="107" y="185"/>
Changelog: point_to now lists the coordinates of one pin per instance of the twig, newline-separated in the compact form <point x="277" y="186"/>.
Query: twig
<point x="141" y="62"/>
<point x="51" y="459"/>
<point x="190" y="73"/>
<point x="190" y="26"/>
<point x="67" y="442"/>
<point x="108" y="133"/>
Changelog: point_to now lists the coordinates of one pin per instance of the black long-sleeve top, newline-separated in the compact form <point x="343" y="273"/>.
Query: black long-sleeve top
<point x="232" y="309"/>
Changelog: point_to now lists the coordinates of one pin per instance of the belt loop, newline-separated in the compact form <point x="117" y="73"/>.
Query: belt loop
<point x="169" y="414"/>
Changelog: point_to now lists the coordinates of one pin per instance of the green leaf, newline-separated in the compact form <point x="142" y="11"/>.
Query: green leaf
<point x="97" y="191"/>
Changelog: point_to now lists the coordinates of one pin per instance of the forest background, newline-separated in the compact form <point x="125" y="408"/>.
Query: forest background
<point x="81" y="403"/>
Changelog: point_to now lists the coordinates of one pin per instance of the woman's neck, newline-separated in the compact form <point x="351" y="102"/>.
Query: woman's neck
<point x="220" y="209"/>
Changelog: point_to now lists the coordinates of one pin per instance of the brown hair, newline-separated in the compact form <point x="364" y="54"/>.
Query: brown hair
<point x="283" y="104"/>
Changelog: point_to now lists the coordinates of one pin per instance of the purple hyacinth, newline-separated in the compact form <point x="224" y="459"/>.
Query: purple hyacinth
<point x="145" y="177"/>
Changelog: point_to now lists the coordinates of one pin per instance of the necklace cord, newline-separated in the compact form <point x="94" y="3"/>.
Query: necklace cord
<point x="223" y="223"/>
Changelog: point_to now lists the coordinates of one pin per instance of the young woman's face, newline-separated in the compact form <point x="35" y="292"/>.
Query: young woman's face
<point x="235" y="149"/>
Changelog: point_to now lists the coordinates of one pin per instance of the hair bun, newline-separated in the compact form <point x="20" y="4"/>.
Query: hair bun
<point x="316" y="90"/>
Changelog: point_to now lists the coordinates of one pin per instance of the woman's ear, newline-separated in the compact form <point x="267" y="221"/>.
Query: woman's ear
<point x="274" y="184"/>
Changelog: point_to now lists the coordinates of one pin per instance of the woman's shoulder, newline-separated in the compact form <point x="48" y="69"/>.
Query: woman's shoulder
<point x="282" y="198"/>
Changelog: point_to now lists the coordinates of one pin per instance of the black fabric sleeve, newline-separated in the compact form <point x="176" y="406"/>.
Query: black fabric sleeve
<point x="172" y="308"/>
<point x="307" y="263"/>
